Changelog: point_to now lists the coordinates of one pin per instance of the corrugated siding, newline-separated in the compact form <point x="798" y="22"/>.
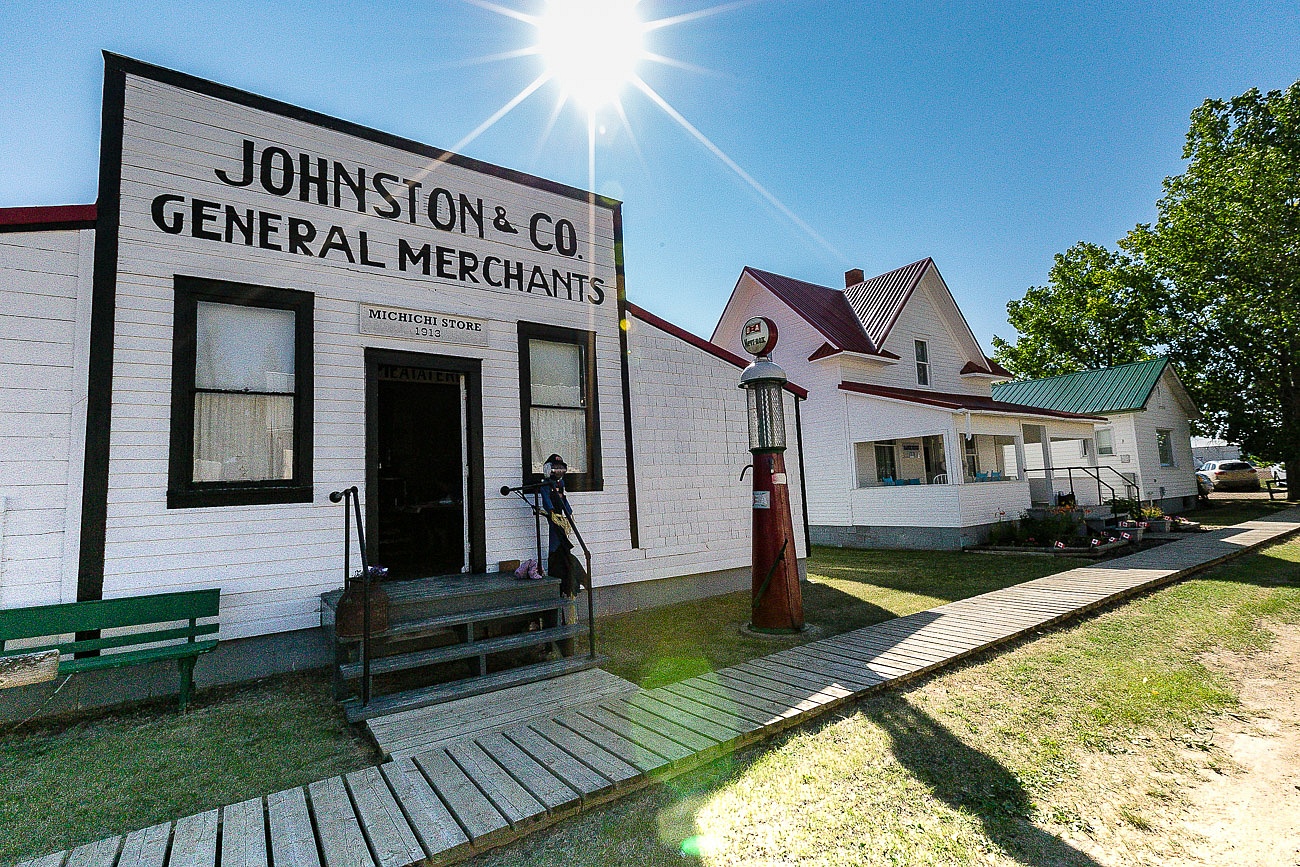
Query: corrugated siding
<point x="1115" y="389"/>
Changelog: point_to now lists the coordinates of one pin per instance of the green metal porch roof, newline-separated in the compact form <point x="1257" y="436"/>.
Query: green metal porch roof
<point x="1099" y="392"/>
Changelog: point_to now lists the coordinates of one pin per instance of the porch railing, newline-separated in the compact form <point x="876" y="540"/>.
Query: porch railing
<point x="1097" y="475"/>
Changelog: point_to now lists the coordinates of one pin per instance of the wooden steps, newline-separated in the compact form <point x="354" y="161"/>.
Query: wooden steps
<point x="441" y="692"/>
<point x="498" y="624"/>
<point x="457" y="799"/>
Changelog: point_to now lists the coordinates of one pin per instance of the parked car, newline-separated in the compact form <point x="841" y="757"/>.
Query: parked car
<point x="1230" y="475"/>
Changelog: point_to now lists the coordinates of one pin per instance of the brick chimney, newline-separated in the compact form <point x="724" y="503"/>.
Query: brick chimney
<point x="853" y="277"/>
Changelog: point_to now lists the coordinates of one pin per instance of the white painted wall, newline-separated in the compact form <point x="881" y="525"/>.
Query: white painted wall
<point x="44" y="318"/>
<point x="921" y="319"/>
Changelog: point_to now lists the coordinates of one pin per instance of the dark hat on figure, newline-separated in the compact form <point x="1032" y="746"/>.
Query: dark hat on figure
<point x="556" y="461"/>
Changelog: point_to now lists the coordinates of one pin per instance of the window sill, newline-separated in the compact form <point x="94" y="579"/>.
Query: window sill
<point x="234" y="496"/>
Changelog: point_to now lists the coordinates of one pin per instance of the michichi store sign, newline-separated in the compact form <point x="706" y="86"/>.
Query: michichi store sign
<point x="240" y="181"/>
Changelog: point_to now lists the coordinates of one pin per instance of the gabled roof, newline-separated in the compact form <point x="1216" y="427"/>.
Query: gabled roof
<point x="824" y="308"/>
<point x="960" y="402"/>
<point x="879" y="301"/>
<point x="1125" y="388"/>
<point x="47" y="218"/>
<point x="700" y="343"/>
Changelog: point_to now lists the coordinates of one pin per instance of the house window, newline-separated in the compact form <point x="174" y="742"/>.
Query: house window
<point x="559" y="415"/>
<point x="886" y="465"/>
<point x="922" y="363"/>
<point x="972" y="458"/>
<point x="1165" y="443"/>
<point x="1105" y="441"/>
<point x="241" y="395"/>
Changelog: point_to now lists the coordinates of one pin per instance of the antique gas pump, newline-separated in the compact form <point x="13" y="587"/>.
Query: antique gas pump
<point x="777" y="597"/>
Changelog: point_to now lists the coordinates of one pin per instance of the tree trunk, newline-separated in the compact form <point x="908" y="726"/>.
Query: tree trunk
<point x="1290" y="399"/>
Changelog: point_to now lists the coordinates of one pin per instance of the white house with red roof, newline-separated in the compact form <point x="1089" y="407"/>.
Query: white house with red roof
<point x="904" y="444"/>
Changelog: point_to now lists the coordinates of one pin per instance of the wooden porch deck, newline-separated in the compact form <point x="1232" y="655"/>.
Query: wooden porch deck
<point x="453" y="800"/>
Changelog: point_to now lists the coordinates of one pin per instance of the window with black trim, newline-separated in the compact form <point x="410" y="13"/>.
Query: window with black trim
<point x="922" y="362"/>
<point x="241" y="428"/>
<point x="558" y="406"/>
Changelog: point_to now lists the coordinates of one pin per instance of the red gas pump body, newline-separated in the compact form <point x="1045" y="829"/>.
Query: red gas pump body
<point x="777" y="596"/>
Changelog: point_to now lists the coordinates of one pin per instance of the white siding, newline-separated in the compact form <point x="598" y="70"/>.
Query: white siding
<point x="922" y="319"/>
<point x="691" y="441"/>
<point x="44" y="317"/>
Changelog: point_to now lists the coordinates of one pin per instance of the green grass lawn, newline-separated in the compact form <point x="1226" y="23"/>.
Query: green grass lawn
<point x="847" y="589"/>
<point x="1058" y="748"/>
<point x="1224" y="509"/>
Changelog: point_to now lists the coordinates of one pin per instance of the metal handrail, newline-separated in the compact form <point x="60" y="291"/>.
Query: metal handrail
<point x="354" y="495"/>
<point x="1095" y="473"/>
<point x="538" y="512"/>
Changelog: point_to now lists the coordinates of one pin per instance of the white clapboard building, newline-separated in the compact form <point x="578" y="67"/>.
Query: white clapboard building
<point x="904" y="443"/>
<point x="266" y="305"/>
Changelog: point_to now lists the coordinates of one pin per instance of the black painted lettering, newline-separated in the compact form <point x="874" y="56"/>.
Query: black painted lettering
<point x="202" y="213"/>
<point x="539" y="243"/>
<point x="468" y="265"/>
<point x="558" y="279"/>
<point x="597" y="286"/>
<point x="244" y="223"/>
<point x="364" y="246"/>
<point x="394" y="208"/>
<point x="406" y="255"/>
<point x="514" y="274"/>
<point x="270" y="157"/>
<point x="335" y="239"/>
<point x="357" y="185"/>
<point x="319" y="181"/>
<point x="566" y="238"/>
<point x="173" y="223"/>
<point x="301" y="233"/>
<point x="471" y="211"/>
<point x="488" y="264"/>
<point x="436" y="199"/>
<point x="248" y="168"/>
<point x="538" y="281"/>
<point x="446" y="263"/>
<point x="268" y="224"/>
<point x="412" y="187"/>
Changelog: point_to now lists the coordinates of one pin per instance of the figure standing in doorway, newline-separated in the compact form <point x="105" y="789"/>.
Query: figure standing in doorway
<point x="558" y="513"/>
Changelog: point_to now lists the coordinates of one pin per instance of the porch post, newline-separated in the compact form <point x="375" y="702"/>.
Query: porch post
<point x="955" y="458"/>
<point x="1019" y="440"/>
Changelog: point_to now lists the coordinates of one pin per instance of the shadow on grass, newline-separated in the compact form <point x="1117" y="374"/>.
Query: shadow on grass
<point x="971" y="782"/>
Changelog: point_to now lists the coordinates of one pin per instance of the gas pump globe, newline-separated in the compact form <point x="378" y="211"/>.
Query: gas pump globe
<point x="777" y="598"/>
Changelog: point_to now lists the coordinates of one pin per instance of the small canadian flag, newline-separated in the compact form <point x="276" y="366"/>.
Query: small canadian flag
<point x="1096" y="542"/>
<point x="1126" y="536"/>
<point x="1143" y="525"/>
<point x="1060" y="544"/>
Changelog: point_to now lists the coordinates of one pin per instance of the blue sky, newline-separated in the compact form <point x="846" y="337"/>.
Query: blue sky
<point x="988" y="136"/>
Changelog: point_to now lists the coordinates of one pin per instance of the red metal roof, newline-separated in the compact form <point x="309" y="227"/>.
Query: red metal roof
<point x="878" y="301"/>
<point x="824" y="308"/>
<point x="972" y="402"/>
<point x="700" y="343"/>
<point x="990" y="366"/>
<point x="47" y="218"/>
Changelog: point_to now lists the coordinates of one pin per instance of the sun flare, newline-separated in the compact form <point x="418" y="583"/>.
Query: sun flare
<point x="591" y="48"/>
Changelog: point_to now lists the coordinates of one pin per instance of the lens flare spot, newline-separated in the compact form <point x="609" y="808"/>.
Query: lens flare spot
<point x="591" y="47"/>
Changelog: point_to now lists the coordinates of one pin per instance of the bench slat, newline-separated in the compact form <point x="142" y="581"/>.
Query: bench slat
<point x="135" y="657"/>
<point x="69" y="617"/>
<point x="133" y="638"/>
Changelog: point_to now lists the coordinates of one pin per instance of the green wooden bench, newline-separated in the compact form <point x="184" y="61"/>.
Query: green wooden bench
<point x="153" y="614"/>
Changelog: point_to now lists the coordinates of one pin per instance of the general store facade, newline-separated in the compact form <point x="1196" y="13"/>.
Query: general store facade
<point x="267" y="304"/>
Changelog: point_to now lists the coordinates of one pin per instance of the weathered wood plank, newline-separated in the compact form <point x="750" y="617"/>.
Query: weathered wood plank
<point x="101" y="853"/>
<point x="512" y="799"/>
<point x="637" y="734"/>
<point x="430" y="819"/>
<point x="481" y="820"/>
<point x="856" y="674"/>
<point x="28" y="668"/>
<point x="541" y="783"/>
<point x="392" y="841"/>
<point x="341" y="842"/>
<point x="54" y="859"/>
<point x="147" y="847"/>
<point x="293" y="843"/>
<point x="636" y="755"/>
<point x="703" y="717"/>
<point x="796" y="699"/>
<point x="579" y="777"/>
<point x="669" y="722"/>
<point x="243" y="835"/>
<point x="601" y="760"/>
<point x="194" y="841"/>
<point x="727" y="706"/>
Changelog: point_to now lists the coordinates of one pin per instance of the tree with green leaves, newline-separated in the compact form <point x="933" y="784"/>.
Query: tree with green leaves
<point x="1097" y="310"/>
<point x="1226" y="248"/>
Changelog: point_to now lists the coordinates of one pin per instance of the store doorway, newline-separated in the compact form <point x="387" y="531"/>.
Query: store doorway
<point x="421" y="468"/>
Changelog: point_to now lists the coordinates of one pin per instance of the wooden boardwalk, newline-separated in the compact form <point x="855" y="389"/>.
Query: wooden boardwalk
<point x="452" y="801"/>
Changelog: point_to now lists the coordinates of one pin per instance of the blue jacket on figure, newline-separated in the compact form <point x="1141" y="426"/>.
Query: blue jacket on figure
<point x="555" y="500"/>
